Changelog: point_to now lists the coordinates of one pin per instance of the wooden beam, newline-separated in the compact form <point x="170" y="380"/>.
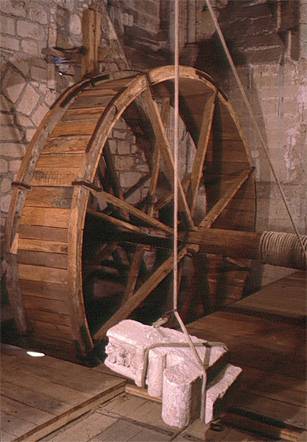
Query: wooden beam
<point x="231" y="243"/>
<point x="202" y="147"/>
<point x="223" y="202"/>
<point x="123" y="205"/>
<point x="91" y="32"/>
<point x="140" y="295"/>
<point x="134" y="272"/>
<point x="114" y="221"/>
<point x="162" y="140"/>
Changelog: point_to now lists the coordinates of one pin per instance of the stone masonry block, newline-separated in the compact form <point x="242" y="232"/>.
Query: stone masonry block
<point x="7" y="42"/>
<point x="6" y="119"/>
<point x="3" y="166"/>
<point x="14" y="166"/>
<point x="30" y="30"/>
<point x="12" y="150"/>
<point x="39" y="74"/>
<point x="7" y="25"/>
<point x="13" y="84"/>
<point x="128" y="179"/>
<point x="123" y="147"/>
<point x="28" y="100"/>
<point x="5" y="203"/>
<point x="119" y="134"/>
<point x="5" y="185"/>
<point x="16" y="8"/>
<point x="124" y="163"/>
<point x="5" y="106"/>
<point x="29" y="134"/>
<point x="39" y="114"/>
<point x="21" y="63"/>
<point x="162" y="359"/>
<point x="38" y="13"/>
<point x="30" y="47"/>
<point x="10" y="133"/>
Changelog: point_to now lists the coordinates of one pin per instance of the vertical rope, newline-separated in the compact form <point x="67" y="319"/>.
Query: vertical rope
<point x="175" y="214"/>
<point x="256" y="125"/>
<point x="176" y="148"/>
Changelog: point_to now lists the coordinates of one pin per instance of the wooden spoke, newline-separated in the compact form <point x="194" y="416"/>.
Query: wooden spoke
<point x="139" y="253"/>
<point x="140" y="295"/>
<point x="234" y="187"/>
<point x="112" y="172"/>
<point x="123" y="205"/>
<point x="168" y="198"/>
<point x="146" y="235"/>
<point x="102" y="175"/>
<point x="114" y="221"/>
<point x="202" y="147"/>
<point x="134" y="272"/>
<point x="162" y="140"/>
<point x="136" y="186"/>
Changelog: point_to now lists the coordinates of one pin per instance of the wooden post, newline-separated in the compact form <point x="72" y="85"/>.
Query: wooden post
<point x="91" y="31"/>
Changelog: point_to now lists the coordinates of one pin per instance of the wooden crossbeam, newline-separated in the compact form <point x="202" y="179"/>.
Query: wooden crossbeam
<point x="140" y="295"/>
<point x="202" y="147"/>
<point x="161" y="138"/>
<point x="222" y="203"/>
<point x="123" y="205"/>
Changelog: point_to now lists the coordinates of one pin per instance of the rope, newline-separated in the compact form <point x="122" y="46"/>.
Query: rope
<point x="282" y="249"/>
<point x="255" y="123"/>
<point x="175" y="214"/>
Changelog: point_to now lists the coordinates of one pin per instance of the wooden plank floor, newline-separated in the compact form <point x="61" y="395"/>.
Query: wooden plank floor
<point x="39" y="395"/>
<point x="266" y="337"/>
<point x="265" y="334"/>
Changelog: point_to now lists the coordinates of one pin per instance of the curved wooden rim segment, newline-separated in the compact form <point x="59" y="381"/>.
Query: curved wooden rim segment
<point x="44" y="232"/>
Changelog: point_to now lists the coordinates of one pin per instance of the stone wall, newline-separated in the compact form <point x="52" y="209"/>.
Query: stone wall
<point x="30" y="85"/>
<point x="267" y="42"/>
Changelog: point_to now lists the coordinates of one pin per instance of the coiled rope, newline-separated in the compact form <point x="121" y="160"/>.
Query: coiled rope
<point x="282" y="249"/>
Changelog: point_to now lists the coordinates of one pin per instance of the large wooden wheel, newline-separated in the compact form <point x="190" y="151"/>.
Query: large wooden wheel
<point x="86" y="247"/>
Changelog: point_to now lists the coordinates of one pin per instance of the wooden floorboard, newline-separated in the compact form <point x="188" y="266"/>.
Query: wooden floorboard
<point x="39" y="395"/>
<point x="264" y="340"/>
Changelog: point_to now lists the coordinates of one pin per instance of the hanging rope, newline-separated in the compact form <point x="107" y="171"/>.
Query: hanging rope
<point x="175" y="214"/>
<point x="255" y="123"/>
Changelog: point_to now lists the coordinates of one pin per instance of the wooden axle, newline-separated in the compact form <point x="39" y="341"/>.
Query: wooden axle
<point x="275" y="248"/>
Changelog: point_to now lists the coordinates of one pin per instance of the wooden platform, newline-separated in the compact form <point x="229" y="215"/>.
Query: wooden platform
<point x="266" y="337"/>
<point x="64" y="402"/>
<point x="39" y="395"/>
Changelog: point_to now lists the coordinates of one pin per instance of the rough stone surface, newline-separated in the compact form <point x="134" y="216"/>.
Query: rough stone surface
<point x="13" y="84"/>
<point x="28" y="100"/>
<point x="144" y="353"/>
<point x="30" y="47"/>
<point x="30" y="30"/>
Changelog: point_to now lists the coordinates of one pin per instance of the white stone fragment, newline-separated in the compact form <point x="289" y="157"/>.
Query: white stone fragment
<point x="219" y="387"/>
<point x="161" y="359"/>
